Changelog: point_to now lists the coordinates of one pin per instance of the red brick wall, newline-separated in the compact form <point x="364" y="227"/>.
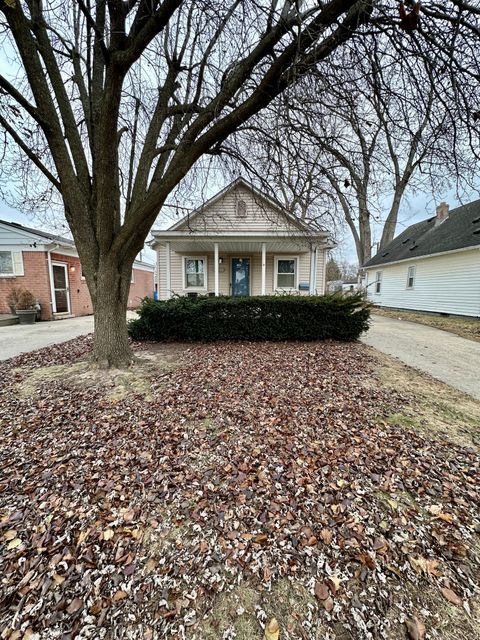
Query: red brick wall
<point x="35" y="279"/>
<point x="141" y="287"/>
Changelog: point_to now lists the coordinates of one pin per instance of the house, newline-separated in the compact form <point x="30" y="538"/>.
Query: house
<point x="432" y="266"/>
<point x="240" y="242"/>
<point x="49" y="267"/>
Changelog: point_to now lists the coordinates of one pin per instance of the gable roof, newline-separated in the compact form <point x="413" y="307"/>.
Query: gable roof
<point x="460" y="230"/>
<point x="271" y="202"/>
<point x="42" y="234"/>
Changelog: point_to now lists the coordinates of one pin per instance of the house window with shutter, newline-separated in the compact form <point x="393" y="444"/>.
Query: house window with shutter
<point x="11" y="264"/>
<point x="241" y="209"/>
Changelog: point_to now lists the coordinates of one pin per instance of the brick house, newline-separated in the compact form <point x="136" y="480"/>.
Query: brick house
<point x="49" y="267"/>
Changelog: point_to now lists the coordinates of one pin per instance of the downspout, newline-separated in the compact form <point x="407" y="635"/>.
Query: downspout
<point x="50" y="276"/>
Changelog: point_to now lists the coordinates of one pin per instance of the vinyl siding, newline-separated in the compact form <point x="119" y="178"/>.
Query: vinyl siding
<point x="176" y="270"/>
<point x="443" y="284"/>
<point x="15" y="238"/>
<point x="222" y="215"/>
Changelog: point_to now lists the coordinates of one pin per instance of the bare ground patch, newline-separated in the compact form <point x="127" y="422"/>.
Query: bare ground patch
<point x="118" y="384"/>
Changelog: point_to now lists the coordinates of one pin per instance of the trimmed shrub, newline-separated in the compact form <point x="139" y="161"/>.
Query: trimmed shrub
<point x="252" y="318"/>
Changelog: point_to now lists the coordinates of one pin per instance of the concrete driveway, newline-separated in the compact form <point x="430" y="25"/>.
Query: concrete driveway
<point x="18" y="338"/>
<point x="445" y="356"/>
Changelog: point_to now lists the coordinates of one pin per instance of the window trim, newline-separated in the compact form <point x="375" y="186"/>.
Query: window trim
<point x="15" y="273"/>
<point x="184" y="273"/>
<point x="296" y="273"/>
<point x="378" y="282"/>
<point x="412" y="278"/>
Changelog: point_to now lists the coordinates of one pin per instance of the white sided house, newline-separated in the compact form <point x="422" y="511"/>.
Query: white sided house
<point x="240" y="243"/>
<point x="432" y="266"/>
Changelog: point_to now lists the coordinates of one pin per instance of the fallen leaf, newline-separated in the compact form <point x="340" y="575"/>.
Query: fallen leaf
<point x="451" y="596"/>
<point x="328" y="604"/>
<point x="321" y="590"/>
<point x="415" y="628"/>
<point x="108" y="534"/>
<point x="74" y="606"/>
<point x="272" y="630"/>
<point x="13" y="544"/>
<point x="120" y="595"/>
<point x="10" y="534"/>
<point x="326" y="535"/>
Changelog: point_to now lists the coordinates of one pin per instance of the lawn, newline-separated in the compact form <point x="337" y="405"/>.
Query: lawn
<point x="464" y="327"/>
<point x="215" y="487"/>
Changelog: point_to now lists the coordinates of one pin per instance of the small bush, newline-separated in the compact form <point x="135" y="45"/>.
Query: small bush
<point x="253" y="318"/>
<point x="13" y="297"/>
<point x="26" y="300"/>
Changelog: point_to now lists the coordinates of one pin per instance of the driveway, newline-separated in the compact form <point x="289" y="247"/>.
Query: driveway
<point x="19" y="338"/>
<point x="445" y="356"/>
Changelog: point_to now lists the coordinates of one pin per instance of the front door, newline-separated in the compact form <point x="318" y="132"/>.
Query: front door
<point x="240" y="276"/>
<point x="60" y="288"/>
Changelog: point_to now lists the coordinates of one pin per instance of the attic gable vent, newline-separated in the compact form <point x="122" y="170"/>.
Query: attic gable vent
<point x="241" y="209"/>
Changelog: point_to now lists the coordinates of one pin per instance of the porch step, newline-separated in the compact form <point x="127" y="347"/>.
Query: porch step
<point x="63" y="316"/>
<point x="6" y="319"/>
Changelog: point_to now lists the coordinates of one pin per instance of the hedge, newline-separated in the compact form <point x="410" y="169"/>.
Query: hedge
<point x="252" y="318"/>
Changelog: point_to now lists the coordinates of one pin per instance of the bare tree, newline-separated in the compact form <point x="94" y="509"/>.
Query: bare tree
<point x="113" y="102"/>
<point x="344" y="143"/>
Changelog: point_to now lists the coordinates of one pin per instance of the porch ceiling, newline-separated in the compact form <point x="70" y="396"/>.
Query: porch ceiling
<point x="291" y="245"/>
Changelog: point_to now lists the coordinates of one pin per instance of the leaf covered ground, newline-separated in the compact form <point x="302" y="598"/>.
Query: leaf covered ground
<point x="248" y="481"/>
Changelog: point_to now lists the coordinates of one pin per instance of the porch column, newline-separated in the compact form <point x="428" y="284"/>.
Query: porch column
<point x="168" y="270"/>
<point x="264" y="268"/>
<point x="312" y="272"/>
<point x="217" y="277"/>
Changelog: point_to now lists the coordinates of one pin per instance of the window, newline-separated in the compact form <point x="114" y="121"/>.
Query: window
<point x="11" y="263"/>
<point x="6" y="263"/>
<point x="378" y="282"/>
<point x="286" y="273"/>
<point x="195" y="273"/>
<point x="241" y="209"/>
<point x="410" y="277"/>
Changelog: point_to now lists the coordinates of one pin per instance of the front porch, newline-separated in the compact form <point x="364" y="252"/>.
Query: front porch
<point x="229" y="265"/>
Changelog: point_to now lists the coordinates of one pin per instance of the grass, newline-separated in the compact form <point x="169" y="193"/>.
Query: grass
<point x="433" y="407"/>
<point x="465" y="327"/>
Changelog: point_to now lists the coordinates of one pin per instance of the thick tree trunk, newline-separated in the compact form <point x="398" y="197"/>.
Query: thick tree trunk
<point x="111" y="345"/>
<point x="391" y="221"/>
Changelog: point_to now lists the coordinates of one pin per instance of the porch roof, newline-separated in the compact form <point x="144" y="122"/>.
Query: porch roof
<point x="241" y="241"/>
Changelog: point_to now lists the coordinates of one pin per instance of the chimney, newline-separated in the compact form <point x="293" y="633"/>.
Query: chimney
<point x="442" y="213"/>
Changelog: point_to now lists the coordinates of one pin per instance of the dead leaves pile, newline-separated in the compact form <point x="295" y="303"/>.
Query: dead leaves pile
<point x="253" y="461"/>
